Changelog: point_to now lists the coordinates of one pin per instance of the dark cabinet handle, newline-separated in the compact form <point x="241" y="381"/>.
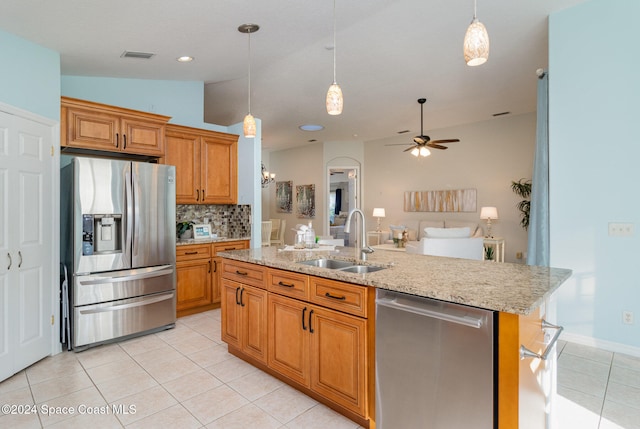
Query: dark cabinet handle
<point x="229" y="248"/>
<point x="304" y="310"/>
<point x="237" y="301"/>
<point x="215" y="266"/>
<point x="10" y="261"/>
<point x="281" y="283"/>
<point x="341" y="298"/>
<point x="197" y="194"/>
<point x="20" y="254"/>
<point x="241" y="292"/>
<point x="191" y="253"/>
<point x="124" y="141"/>
<point x="209" y="266"/>
<point x="242" y="273"/>
<point x="203" y="195"/>
<point x="117" y="140"/>
<point x="310" y="315"/>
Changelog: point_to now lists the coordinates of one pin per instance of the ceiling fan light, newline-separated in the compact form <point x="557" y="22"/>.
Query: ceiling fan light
<point x="424" y="151"/>
<point x="415" y="151"/>
<point x="476" y="44"/>
<point x="249" y="126"/>
<point x="334" y="99"/>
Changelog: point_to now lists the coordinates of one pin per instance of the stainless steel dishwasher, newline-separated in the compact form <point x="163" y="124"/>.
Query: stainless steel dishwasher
<point x="434" y="364"/>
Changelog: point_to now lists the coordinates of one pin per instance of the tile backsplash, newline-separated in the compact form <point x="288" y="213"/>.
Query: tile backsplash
<point x="232" y="221"/>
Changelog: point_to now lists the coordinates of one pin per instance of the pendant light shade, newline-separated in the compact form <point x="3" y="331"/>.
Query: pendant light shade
<point x="335" y="101"/>
<point x="476" y="42"/>
<point x="249" y="126"/>
<point x="249" y="123"/>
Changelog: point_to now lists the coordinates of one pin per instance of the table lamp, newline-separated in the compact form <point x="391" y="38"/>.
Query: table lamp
<point x="378" y="212"/>
<point x="488" y="213"/>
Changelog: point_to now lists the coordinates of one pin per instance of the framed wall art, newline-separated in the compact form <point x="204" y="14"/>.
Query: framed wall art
<point x="284" y="197"/>
<point x="451" y="200"/>
<point x="306" y="201"/>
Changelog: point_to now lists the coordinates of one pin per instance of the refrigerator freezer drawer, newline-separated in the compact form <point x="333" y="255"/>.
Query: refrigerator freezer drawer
<point x="104" y="322"/>
<point x="114" y="285"/>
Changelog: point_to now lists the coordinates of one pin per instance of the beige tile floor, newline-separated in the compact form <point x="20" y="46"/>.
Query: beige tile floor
<point x="185" y="378"/>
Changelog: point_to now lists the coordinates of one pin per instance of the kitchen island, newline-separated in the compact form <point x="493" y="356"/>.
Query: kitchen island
<point x="286" y="294"/>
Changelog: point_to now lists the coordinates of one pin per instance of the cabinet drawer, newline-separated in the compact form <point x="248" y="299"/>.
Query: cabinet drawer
<point x="197" y="251"/>
<point x="289" y="284"/>
<point x="249" y="274"/>
<point x="230" y="245"/>
<point x="340" y="296"/>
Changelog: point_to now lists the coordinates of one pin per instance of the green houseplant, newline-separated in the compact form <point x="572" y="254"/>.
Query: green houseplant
<point x="182" y="227"/>
<point x="522" y="188"/>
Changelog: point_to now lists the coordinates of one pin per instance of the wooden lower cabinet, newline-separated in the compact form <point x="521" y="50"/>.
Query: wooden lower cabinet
<point x="321" y="351"/>
<point x="198" y="275"/>
<point x="244" y="319"/>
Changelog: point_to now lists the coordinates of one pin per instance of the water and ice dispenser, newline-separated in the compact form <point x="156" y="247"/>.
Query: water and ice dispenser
<point x="101" y="233"/>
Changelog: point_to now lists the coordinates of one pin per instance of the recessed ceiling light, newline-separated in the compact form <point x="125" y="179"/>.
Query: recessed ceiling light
<point x="184" y="59"/>
<point x="311" y="127"/>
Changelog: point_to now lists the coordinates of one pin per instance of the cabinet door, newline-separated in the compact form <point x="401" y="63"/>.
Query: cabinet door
<point x="338" y="357"/>
<point x="253" y="302"/>
<point x="193" y="286"/>
<point x="88" y="129"/>
<point x="216" y="278"/>
<point x="183" y="151"/>
<point x="231" y="313"/>
<point x="289" y="338"/>
<point x="142" y="137"/>
<point x="219" y="170"/>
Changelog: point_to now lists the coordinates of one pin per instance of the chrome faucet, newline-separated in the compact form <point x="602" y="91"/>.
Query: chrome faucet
<point x="364" y="248"/>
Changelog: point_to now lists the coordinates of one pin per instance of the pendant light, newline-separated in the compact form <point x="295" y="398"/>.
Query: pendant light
<point x="334" y="94"/>
<point x="476" y="42"/>
<point x="249" y="124"/>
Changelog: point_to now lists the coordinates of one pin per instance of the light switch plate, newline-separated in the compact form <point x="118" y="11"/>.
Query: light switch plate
<point x="618" y="229"/>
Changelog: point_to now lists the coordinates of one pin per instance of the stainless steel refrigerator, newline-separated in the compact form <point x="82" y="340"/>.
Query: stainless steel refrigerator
<point x="118" y="245"/>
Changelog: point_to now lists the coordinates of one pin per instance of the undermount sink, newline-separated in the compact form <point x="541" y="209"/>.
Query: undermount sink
<point x="333" y="264"/>
<point x="350" y="267"/>
<point x="359" y="269"/>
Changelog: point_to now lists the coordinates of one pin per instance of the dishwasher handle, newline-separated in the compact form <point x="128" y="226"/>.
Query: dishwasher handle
<point x="416" y="308"/>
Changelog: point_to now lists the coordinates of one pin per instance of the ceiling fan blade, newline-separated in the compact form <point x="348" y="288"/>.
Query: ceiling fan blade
<point x="410" y="148"/>
<point x="400" y="144"/>
<point x="436" y="146"/>
<point x="445" y="141"/>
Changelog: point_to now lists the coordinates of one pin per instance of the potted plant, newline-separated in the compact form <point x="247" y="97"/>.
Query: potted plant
<point x="183" y="229"/>
<point x="522" y="188"/>
<point x="488" y="253"/>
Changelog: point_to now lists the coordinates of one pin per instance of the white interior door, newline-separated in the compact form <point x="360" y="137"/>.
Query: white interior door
<point x="25" y="242"/>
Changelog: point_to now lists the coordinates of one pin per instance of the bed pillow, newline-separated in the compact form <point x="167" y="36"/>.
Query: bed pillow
<point x="447" y="232"/>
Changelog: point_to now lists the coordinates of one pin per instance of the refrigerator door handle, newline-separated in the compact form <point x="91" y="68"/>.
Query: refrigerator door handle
<point x="128" y="196"/>
<point x="163" y="271"/>
<point x="146" y="301"/>
<point x="136" y="212"/>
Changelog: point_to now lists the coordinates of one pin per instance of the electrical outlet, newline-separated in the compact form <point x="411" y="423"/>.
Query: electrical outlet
<point x="627" y="317"/>
<point x="518" y="255"/>
<point x="617" y="229"/>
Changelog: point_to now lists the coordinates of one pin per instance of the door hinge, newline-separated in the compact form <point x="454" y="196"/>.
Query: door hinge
<point x="52" y="319"/>
<point x="52" y="150"/>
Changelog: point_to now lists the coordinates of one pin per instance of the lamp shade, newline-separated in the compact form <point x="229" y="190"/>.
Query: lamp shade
<point x="378" y="212"/>
<point x="249" y="126"/>
<point x="488" y="213"/>
<point x="476" y="44"/>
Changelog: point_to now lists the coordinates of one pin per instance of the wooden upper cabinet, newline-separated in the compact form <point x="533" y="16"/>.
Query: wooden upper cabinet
<point x="206" y="165"/>
<point x="95" y="126"/>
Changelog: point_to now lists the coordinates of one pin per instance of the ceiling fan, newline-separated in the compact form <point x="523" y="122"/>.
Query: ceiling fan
<point x="422" y="142"/>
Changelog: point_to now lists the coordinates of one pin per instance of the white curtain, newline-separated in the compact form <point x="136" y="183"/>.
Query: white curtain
<point x="538" y="247"/>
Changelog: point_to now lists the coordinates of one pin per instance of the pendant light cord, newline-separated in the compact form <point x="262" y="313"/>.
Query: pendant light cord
<point x="474" y="9"/>
<point x="249" y="74"/>
<point x="334" y="41"/>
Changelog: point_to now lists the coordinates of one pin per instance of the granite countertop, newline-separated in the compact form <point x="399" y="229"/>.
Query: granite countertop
<point x="184" y="242"/>
<point x="506" y="287"/>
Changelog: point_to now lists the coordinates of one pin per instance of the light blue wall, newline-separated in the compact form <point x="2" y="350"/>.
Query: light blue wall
<point x="29" y="76"/>
<point x="182" y="100"/>
<point x="595" y="174"/>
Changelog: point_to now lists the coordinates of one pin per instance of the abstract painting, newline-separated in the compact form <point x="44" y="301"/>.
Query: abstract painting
<point x="453" y="200"/>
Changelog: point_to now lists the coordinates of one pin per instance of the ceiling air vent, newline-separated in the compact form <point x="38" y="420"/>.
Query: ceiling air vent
<point x="140" y="55"/>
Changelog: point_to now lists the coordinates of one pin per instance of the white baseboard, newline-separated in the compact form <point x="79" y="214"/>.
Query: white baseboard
<point x="601" y="344"/>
